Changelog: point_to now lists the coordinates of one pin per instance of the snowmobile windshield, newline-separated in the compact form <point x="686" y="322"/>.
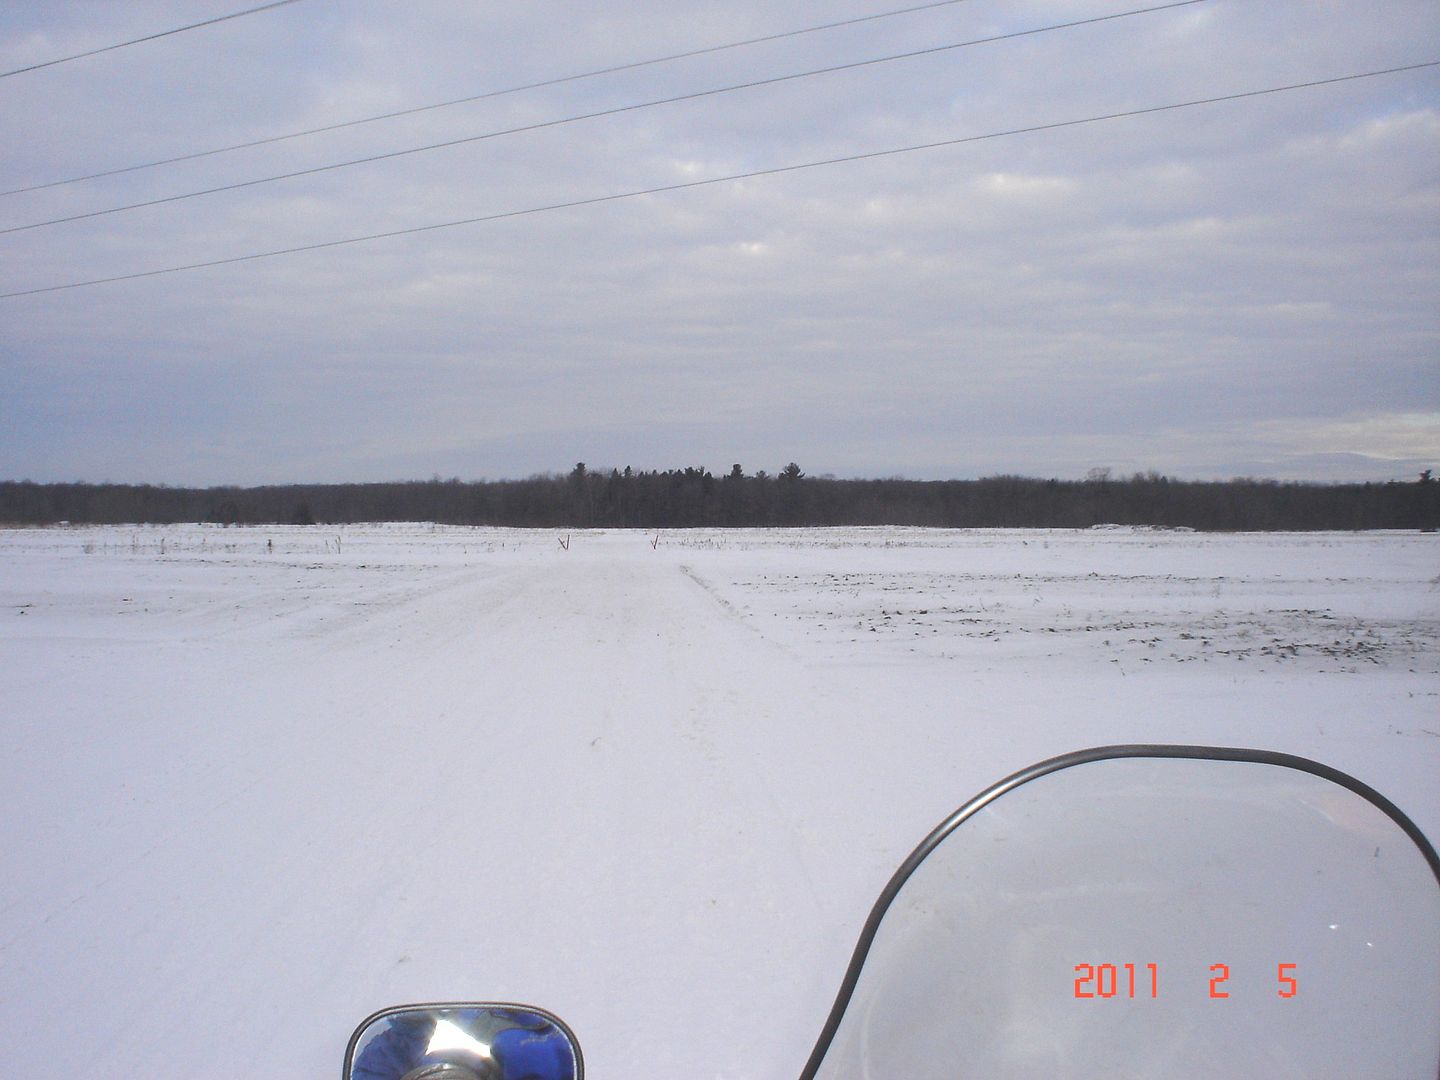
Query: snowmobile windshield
<point x="1153" y="916"/>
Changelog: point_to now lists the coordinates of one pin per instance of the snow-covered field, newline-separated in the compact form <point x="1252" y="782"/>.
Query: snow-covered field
<point x="259" y="782"/>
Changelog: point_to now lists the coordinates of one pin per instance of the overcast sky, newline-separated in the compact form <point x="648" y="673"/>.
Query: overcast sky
<point x="1241" y="288"/>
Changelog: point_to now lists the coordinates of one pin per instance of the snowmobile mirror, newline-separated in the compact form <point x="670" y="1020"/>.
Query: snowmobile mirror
<point x="1182" y="912"/>
<point x="463" y="1041"/>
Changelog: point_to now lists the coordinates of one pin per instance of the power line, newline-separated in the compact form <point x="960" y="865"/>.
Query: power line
<point x="492" y="94"/>
<point x="774" y="171"/>
<point x="148" y="37"/>
<point x="600" y="113"/>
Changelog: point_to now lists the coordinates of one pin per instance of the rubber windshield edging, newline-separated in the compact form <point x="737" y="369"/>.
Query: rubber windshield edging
<point x="1055" y="764"/>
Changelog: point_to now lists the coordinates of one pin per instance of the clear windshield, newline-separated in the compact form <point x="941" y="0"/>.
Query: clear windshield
<point x="1152" y="918"/>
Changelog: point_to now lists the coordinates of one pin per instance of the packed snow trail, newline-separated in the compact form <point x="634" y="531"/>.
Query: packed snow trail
<point x="251" y="793"/>
<point x="570" y="783"/>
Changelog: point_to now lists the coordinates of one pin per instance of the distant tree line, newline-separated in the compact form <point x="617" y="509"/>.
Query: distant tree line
<point x="693" y="497"/>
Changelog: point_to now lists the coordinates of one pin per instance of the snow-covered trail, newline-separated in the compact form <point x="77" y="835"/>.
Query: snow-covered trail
<point x="578" y="783"/>
<point x="248" y="795"/>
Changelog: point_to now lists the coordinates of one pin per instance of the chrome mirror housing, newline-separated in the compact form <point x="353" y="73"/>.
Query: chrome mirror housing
<point x="463" y="1041"/>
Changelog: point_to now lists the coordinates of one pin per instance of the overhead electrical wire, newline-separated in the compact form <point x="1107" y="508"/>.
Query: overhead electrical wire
<point x="147" y="37"/>
<point x="559" y="80"/>
<point x="599" y="113"/>
<point x="774" y="171"/>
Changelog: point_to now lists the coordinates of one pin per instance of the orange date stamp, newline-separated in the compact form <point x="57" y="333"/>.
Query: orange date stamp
<point x="1134" y="981"/>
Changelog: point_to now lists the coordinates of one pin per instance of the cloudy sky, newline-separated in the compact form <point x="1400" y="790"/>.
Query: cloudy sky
<point x="1239" y="288"/>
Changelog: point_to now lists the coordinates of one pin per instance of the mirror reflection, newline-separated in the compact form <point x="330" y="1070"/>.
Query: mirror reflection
<point x="463" y="1042"/>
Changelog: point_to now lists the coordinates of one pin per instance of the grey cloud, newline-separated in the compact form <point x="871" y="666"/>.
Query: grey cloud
<point x="1147" y="290"/>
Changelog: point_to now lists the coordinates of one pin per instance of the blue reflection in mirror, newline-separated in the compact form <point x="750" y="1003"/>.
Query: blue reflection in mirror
<point x="463" y="1042"/>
